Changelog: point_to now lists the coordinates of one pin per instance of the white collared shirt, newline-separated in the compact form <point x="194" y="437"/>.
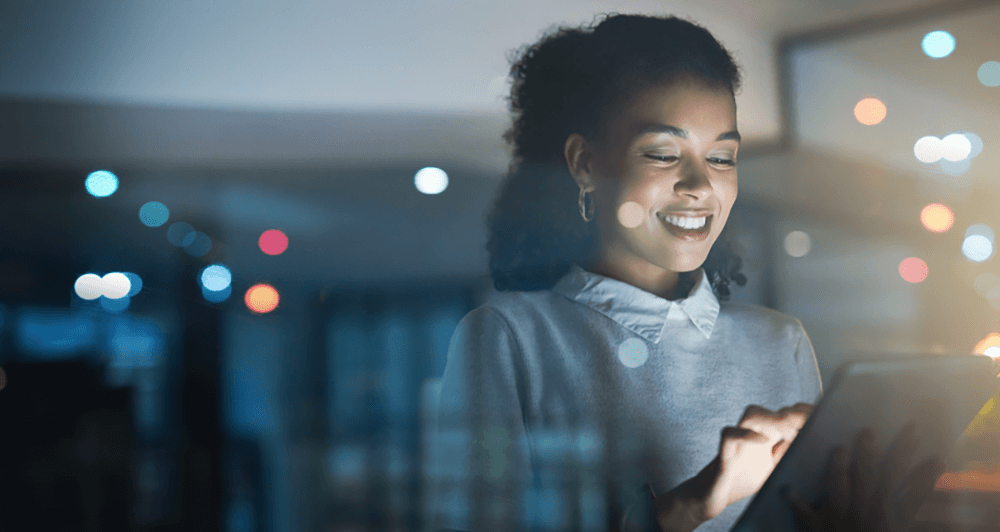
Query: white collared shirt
<point x="556" y="404"/>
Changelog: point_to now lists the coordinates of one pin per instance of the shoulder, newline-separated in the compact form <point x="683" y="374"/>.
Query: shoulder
<point x="520" y="307"/>
<point x="757" y="320"/>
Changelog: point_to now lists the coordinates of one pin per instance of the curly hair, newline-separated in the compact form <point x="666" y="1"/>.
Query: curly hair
<point x="572" y="81"/>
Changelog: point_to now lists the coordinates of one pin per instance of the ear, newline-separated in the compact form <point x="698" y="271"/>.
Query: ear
<point x="579" y="161"/>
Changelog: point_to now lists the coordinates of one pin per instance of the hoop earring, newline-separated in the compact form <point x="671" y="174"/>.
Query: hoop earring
<point x="586" y="211"/>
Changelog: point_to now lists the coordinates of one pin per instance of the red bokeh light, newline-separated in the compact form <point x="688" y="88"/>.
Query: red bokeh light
<point x="273" y="242"/>
<point x="913" y="270"/>
<point x="261" y="298"/>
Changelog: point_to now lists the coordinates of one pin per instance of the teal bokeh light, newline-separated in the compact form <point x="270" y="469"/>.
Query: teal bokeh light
<point x="938" y="44"/>
<point x="154" y="214"/>
<point x="101" y="183"/>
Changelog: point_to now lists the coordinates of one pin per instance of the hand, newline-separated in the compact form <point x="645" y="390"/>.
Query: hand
<point x="867" y="493"/>
<point x="748" y="453"/>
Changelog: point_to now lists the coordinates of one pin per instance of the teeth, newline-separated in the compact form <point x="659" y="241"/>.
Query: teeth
<point x="687" y="223"/>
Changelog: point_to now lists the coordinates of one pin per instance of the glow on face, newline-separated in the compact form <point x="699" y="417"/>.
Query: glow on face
<point x="667" y="176"/>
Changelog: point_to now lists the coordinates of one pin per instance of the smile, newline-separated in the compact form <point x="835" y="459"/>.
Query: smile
<point x="691" y="228"/>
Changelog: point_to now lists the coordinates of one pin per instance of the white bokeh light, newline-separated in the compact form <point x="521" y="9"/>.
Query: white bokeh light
<point x="216" y="277"/>
<point x="89" y="286"/>
<point x="798" y="243"/>
<point x="630" y="214"/>
<point x="115" y="285"/>
<point x="927" y="149"/>
<point x="992" y="351"/>
<point x="431" y="180"/>
<point x="955" y="147"/>
<point x="633" y="353"/>
<point x="938" y="44"/>
<point x="977" y="248"/>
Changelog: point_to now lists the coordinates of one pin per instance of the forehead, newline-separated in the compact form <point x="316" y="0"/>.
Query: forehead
<point x="690" y="105"/>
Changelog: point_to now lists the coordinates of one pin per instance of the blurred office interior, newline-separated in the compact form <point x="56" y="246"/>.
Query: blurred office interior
<point x="237" y="236"/>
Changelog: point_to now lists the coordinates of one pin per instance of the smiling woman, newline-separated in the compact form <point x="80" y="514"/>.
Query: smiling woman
<point x="608" y="246"/>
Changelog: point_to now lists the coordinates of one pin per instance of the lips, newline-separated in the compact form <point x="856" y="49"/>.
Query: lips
<point x="693" y="235"/>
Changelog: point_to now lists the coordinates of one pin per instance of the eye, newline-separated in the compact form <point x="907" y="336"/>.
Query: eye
<point x="722" y="161"/>
<point x="663" y="158"/>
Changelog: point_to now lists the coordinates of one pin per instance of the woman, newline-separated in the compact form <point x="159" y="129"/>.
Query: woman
<point x="607" y="368"/>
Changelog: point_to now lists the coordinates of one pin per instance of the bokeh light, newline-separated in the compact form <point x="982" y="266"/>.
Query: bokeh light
<point x="431" y="180"/>
<point x="115" y="305"/>
<point x="261" y="298"/>
<point x="217" y="296"/>
<point x="955" y="147"/>
<point x="989" y="345"/>
<point x="633" y="352"/>
<point x="980" y="229"/>
<point x="101" y="183"/>
<point x="870" y="111"/>
<point x="798" y="243"/>
<point x="937" y="217"/>
<point x="938" y="44"/>
<point x="631" y="214"/>
<point x="197" y="244"/>
<point x="986" y="283"/>
<point x="955" y="167"/>
<point x="273" y="242"/>
<point x="154" y="214"/>
<point x="115" y="285"/>
<point x="216" y="277"/>
<point x="989" y="73"/>
<point x="136" y="283"/>
<point x="180" y="234"/>
<point x="89" y="286"/>
<point x="977" y="248"/>
<point x="913" y="270"/>
<point x="975" y="141"/>
<point x="927" y="149"/>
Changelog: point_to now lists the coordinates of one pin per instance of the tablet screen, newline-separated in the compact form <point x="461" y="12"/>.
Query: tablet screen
<point x="940" y="394"/>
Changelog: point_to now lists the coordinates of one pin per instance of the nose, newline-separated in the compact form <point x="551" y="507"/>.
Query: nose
<point x="694" y="182"/>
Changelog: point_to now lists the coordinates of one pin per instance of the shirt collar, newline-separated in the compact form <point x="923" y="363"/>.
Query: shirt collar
<point x="640" y="311"/>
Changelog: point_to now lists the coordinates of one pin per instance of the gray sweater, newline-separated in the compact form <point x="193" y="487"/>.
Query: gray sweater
<point x="557" y="405"/>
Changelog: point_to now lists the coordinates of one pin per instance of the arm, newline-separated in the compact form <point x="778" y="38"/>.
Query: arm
<point x="481" y="460"/>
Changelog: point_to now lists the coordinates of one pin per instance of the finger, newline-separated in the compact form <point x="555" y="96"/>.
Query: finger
<point x="764" y="421"/>
<point x="837" y="482"/>
<point x="896" y="462"/>
<point x="864" y="458"/>
<point x="797" y="413"/>
<point x="919" y="485"/>
<point x="806" y="516"/>
<point x="779" y="449"/>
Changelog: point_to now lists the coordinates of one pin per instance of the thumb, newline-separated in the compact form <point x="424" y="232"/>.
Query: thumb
<point x="779" y="449"/>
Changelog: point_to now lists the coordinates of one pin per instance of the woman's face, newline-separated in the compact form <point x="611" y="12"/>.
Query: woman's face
<point x="664" y="180"/>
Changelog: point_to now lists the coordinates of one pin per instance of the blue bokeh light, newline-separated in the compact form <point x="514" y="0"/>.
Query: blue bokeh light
<point x="101" y="183"/>
<point x="989" y="73"/>
<point x="217" y="296"/>
<point x="115" y="306"/>
<point x="53" y="333"/>
<point x="216" y="277"/>
<point x="154" y="214"/>
<point x="136" y="285"/>
<point x="197" y="244"/>
<point x="180" y="234"/>
<point x="938" y="44"/>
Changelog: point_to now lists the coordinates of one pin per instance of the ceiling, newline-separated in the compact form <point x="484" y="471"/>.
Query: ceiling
<point x="437" y="57"/>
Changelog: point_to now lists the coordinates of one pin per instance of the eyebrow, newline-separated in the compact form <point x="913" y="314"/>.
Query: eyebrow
<point x="682" y="133"/>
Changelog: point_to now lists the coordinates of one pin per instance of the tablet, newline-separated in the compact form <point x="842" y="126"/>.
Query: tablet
<point x="941" y="394"/>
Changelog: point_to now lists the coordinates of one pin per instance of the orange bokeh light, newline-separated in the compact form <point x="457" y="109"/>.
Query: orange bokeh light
<point x="913" y="270"/>
<point x="261" y="298"/>
<point x="991" y="340"/>
<point x="869" y="111"/>
<point x="937" y="218"/>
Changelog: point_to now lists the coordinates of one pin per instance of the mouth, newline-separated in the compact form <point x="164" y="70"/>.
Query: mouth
<point x="684" y="227"/>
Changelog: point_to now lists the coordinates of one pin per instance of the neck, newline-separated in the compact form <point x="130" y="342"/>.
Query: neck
<point x="665" y="283"/>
